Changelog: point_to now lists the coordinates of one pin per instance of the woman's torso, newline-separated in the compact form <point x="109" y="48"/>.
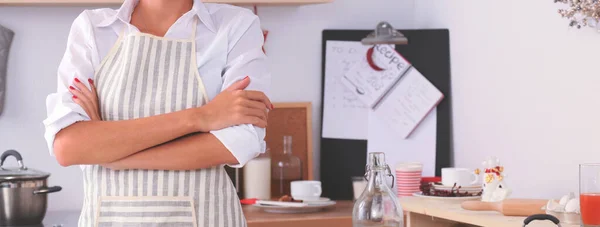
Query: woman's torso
<point x="144" y="76"/>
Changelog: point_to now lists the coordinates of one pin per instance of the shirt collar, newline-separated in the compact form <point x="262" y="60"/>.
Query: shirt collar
<point x="124" y="14"/>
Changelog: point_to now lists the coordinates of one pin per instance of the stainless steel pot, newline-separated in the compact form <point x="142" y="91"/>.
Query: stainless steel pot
<point x="23" y="193"/>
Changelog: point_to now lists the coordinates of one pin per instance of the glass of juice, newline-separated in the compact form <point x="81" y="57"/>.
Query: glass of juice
<point x="589" y="191"/>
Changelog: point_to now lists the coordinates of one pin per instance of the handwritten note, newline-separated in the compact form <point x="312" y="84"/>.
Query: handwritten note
<point x="344" y="115"/>
<point x="408" y="103"/>
<point x="399" y="94"/>
<point x="370" y="85"/>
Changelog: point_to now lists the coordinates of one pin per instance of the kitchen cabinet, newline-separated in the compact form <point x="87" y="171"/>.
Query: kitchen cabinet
<point x="116" y="2"/>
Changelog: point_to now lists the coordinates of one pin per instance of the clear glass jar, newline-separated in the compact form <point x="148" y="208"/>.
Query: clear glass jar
<point x="285" y="169"/>
<point x="377" y="206"/>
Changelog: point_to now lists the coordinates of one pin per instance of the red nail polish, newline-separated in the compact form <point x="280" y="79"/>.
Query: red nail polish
<point x="91" y="81"/>
<point x="71" y="87"/>
<point x="75" y="97"/>
<point x="77" y="80"/>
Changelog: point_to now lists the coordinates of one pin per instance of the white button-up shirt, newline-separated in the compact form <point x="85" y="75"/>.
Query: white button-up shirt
<point x="228" y="48"/>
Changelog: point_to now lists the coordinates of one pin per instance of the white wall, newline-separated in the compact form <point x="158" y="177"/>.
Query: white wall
<point x="294" y="47"/>
<point x="525" y="88"/>
<point x="39" y="42"/>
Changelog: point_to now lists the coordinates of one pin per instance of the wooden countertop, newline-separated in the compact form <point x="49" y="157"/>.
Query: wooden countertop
<point x="453" y="212"/>
<point x="340" y="215"/>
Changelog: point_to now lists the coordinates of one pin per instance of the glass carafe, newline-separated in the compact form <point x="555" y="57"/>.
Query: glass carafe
<point x="377" y="206"/>
<point x="285" y="168"/>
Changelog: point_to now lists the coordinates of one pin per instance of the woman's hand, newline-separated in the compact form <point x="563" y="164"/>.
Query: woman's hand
<point x="86" y="98"/>
<point x="235" y="106"/>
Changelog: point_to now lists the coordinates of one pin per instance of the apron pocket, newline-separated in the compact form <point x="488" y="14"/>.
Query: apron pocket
<point x="146" y="211"/>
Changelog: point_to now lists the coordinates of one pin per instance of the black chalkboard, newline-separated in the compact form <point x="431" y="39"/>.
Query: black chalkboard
<point x="429" y="52"/>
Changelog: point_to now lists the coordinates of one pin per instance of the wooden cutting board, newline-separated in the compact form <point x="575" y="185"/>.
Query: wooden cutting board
<point x="508" y="207"/>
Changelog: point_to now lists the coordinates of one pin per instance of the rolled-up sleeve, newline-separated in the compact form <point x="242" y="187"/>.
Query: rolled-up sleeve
<point x="245" y="58"/>
<point x="76" y="62"/>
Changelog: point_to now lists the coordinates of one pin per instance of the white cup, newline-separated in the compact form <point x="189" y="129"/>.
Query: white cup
<point x="306" y="190"/>
<point x="461" y="176"/>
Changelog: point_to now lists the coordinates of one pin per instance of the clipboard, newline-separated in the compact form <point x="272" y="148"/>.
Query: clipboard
<point x="341" y="159"/>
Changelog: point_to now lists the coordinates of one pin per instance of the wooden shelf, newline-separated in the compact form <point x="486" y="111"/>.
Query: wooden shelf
<point x="116" y="2"/>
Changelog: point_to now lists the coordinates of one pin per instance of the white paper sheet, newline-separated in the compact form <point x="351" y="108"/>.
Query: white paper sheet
<point x="370" y="85"/>
<point x="419" y="147"/>
<point x="344" y="116"/>
<point x="408" y="102"/>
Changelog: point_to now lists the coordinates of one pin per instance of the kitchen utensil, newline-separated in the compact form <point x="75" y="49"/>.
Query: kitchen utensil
<point x="459" y="176"/>
<point x="447" y="199"/>
<point x="299" y="209"/>
<point x="23" y="193"/>
<point x="541" y="217"/>
<point x="508" y="207"/>
<point x="589" y="190"/>
<point x="306" y="190"/>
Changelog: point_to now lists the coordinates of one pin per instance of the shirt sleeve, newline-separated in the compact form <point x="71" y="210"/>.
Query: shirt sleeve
<point x="62" y="111"/>
<point x="245" y="58"/>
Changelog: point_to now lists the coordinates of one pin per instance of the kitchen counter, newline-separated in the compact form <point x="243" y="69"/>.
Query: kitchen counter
<point x="340" y="215"/>
<point x="429" y="213"/>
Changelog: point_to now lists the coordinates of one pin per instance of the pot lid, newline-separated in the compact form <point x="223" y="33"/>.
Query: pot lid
<point x="20" y="173"/>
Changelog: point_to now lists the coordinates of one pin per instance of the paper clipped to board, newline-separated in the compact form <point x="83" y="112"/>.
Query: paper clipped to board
<point x="399" y="95"/>
<point x="340" y="104"/>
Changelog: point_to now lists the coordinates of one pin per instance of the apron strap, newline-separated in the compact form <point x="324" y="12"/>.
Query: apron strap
<point x="125" y="27"/>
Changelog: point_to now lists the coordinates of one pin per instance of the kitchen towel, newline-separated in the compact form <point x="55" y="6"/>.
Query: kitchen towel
<point x="6" y="36"/>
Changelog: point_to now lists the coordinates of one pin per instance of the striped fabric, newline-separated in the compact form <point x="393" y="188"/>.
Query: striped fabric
<point x="142" y="76"/>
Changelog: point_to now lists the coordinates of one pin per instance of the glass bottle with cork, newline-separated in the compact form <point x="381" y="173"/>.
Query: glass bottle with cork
<point x="285" y="168"/>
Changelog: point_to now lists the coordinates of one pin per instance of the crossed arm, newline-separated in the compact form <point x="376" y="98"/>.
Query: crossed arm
<point x="174" y="141"/>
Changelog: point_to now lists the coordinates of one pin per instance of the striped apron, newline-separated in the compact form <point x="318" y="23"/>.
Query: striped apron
<point x="142" y="76"/>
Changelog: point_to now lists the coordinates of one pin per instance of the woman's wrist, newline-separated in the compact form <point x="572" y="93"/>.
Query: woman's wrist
<point x="196" y="120"/>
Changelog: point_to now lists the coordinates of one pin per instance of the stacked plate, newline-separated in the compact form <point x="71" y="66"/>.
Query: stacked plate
<point x="408" y="178"/>
<point x="472" y="189"/>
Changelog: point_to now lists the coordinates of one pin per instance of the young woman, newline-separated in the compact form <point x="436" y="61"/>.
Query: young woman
<point x="153" y="100"/>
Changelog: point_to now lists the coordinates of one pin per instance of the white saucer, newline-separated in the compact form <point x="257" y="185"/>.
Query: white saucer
<point x="456" y="199"/>
<point x="319" y="201"/>
<point x="299" y="208"/>
<point x="463" y="188"/>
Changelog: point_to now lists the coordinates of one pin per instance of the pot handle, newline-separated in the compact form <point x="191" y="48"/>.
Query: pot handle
<point x="14" y="153"/>
<point x="541" y="217"/>
<point x="47" y="190"/>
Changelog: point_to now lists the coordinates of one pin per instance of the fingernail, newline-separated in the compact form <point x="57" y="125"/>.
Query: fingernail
<point x="91" y="81"/>
<point x="272" y="107"/>
<point x="71" y="87"/>
<point x="75" y="97"/>
<point x="77" y="80"/>
<point x="246" y="77"/>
